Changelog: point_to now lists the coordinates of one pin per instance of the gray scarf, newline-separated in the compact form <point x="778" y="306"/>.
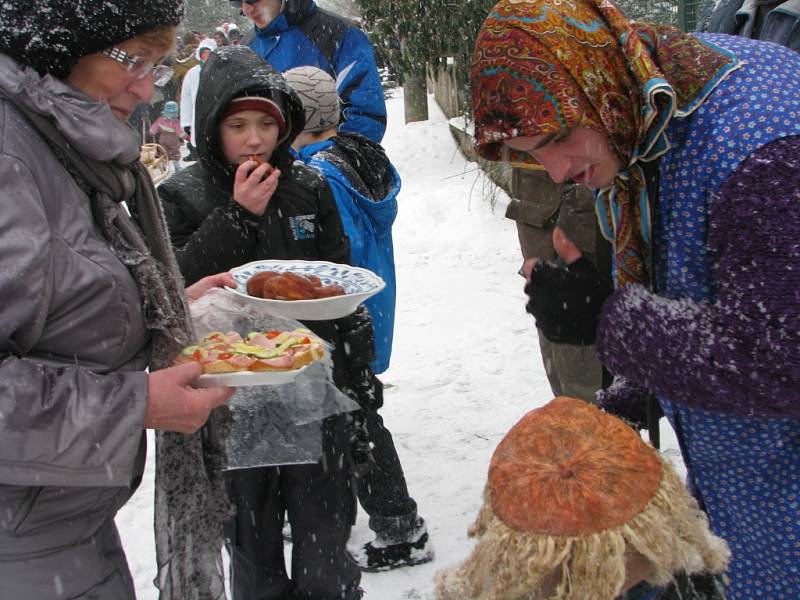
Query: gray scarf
<point x="191" y="503"/>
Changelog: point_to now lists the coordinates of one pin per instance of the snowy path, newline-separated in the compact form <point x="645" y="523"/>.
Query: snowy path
<point x="465" y="366"/>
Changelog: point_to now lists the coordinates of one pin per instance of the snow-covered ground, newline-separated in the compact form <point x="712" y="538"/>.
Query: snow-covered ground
<point x="466" y="363"/>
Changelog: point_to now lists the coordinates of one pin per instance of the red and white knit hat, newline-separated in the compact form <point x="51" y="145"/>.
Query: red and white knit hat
<point x="259" y="104"/>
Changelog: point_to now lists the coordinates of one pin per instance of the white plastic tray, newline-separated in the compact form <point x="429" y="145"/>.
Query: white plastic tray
<point x="247" y="378"/>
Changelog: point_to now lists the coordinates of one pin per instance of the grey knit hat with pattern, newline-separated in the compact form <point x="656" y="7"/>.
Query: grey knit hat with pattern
<point x="317" y="90"/>
<point x="51" y="35"/>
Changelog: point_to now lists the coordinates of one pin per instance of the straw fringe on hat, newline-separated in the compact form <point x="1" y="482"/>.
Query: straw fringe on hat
<point x="585" y="525"/>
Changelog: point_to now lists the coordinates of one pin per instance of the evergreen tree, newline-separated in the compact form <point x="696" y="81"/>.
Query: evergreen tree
<point x="345" y="8"/>
<point x="652" y="11"/>
<point x="412" y="34"/>
<point x="409" y="35"/>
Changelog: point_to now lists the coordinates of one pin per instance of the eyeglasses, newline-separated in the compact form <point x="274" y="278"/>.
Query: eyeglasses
<point x="238" y="3"/>
<point x="140" y="68"/>
<point x="553" y="138"/>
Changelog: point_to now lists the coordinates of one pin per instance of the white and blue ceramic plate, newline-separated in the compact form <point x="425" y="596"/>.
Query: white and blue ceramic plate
<point x="359" y="284"/>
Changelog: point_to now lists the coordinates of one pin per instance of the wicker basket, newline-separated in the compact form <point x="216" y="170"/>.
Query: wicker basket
<point x="156" y="159"/>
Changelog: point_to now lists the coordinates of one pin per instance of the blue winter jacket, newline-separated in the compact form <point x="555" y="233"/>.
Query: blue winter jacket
<point x="284" y="45"/>
<point x="365" y="186"/>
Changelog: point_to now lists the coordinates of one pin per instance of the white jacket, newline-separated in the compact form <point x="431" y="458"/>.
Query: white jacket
<point x="191" y="82"/>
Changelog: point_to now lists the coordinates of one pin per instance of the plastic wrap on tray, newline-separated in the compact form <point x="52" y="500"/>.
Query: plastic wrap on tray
<point x="272" y="424"/>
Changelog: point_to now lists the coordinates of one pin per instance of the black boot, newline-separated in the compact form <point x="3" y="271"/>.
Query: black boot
<point x="384" y="555"/>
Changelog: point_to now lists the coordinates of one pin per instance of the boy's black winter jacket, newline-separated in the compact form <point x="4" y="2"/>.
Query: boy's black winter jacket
<point x="212" y="233"/>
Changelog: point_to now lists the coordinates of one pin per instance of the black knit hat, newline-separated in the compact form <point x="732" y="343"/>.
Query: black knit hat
<point x="51" y="35"/>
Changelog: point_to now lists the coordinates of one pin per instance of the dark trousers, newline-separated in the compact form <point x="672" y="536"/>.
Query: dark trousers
<point x="382" y="491"/>
<point x="320" y="504"/>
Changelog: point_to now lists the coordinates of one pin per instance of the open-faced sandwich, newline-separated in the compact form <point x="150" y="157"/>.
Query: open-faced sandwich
<point x="229" y="352"/>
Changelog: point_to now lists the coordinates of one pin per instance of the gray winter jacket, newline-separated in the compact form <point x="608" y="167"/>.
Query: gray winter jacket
<point x="73" y="344"/>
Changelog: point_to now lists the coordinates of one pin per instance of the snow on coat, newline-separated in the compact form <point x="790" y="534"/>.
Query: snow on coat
<point x="365" y="186"/>
<point x="212" y="233"/>
<point x="73" y="348"/>
<point x="352" y="63"/>
<point x="719" y="342"/>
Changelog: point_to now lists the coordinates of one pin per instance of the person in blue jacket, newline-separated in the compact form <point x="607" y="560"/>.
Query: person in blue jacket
<point x="295" y="33"/>
<point x="365" y="187"/>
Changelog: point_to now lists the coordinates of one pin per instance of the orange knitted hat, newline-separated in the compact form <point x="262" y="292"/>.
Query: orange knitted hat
<point x="569" y="469"/>
<point x="572" y="493"/>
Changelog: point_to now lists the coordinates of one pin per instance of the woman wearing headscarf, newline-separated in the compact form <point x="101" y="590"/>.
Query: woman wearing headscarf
<point x="692" y="145"/>
<point x="90" y="295"/>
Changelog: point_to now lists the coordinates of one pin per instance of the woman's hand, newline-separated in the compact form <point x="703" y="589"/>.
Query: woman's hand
<point x="174" y="405"/>
<point x="248" y="188"/>
<point x="201" y="286"/>
<point x="565" y="248"/>
<point x="566" y="300"/>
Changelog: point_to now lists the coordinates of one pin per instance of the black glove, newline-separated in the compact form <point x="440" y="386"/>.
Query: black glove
<point x="566" y="300"/>
<point x="358" y="349"/>
<point x="364" y="387"/>
<point x="188" y="131"/>
<point x="360" y="448"/>
<point x="357" y="337"/>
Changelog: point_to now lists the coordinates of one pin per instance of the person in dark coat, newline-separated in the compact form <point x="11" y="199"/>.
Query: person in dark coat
<point x="222" y="212"/>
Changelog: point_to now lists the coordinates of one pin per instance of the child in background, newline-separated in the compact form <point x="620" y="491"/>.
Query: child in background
<point x="189" y="93"/>
<point x="365" y="186"/>
<point x="166" y="130"/>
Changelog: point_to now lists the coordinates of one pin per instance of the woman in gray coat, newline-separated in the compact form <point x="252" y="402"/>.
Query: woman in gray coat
<point x="89" y="292"/>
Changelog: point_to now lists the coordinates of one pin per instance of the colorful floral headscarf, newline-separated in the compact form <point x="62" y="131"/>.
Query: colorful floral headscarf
<point x="541" y="66"/>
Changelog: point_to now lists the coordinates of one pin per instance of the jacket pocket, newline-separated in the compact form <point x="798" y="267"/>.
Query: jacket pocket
<point x="67" y="514"/>
<point x="24" y="507"/>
